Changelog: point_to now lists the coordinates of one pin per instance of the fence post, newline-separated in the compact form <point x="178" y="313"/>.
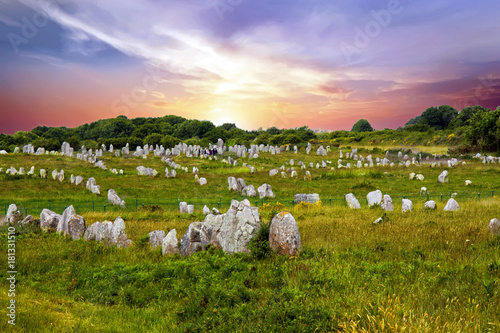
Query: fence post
<point x="220" y="202"/>
<point x="345" y="201"/>
<point x="479" y="196"/>
<point x="492" y="194"/>
<point x="5" y="209"/>
<point x="404" y="196"/>
<point x="450" y="194"/>
<point x="330" y="201"/>
<point x="136" y="204"/>
<point x="262" y="202"/>
<point x="105" y="208"/>
<point x="441" y="197"/>
<point x="25" y="212"/>
<point x="93" y="205"/>
<point x="427" y="196"/>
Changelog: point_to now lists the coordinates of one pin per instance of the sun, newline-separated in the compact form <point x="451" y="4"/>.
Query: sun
<point x="221" y="116"/>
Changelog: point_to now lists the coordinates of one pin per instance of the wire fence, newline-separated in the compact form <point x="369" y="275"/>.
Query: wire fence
<point x="34" y="207"/>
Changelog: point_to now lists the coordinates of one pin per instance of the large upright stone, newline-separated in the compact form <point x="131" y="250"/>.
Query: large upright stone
<point x="431" y="204"/>
<point x="407" y="205"/>
<point x="170" y="245"/>
<point x="265" y="190"/>
<point x="387" y="204"/>
<point x="118" y="235"/>
<point x="13" y="214"/>
<point x="232" y="185"/>
<point x="115" y="199"/>
<point x="156" y="238"/>
<point x="494" y="226"/>
<point x="49" y="220"/>
<point x="451" y="205"/>
<point x="71" y="224"/>
<point x="233" y="230"/>
<point x="443" y="177"/>
<point x="183" y="207"/>
<point x="191" y="242"/>
<point x="352" y="202"/>
<point x="374" y="198"/>
<point x="284" y="236"/>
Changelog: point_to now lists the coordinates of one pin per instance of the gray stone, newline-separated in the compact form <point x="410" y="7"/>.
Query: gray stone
<point x="13" y="214"/>
<point x="352" y="202"/>
<point x="170" y="245"/>
<point x="49" y="220"/>
<point x="115" y="199"/>
<point x="387" y="204"/>
<point x="78" y="180"/>
<point x="407" y="205"/>
<point x="284" y="236"/>
<point x="118" y="235"/>
<point x="374" y="198"/>
<point x="302" y="197"/>
<point x="28" y="220"/>
<point x="451" y="205"/>
<point x="191" y="242"/>
<point x="156" y="238"/>
<point x="206" y="210"/>
<point x="265" y="190"/>
<point x="431" y="204"/>
<point x="190" y="209"/>
<point x="71" y="224"/>
<point x="494" y="226"/>
<point x="183" y="207"/>
<point x="443" y="177"/>
<point x="249" y="191"/>
<point x="232" y="185"/>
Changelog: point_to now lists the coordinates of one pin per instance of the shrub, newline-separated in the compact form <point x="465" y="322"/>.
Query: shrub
<point x="259" y="245"/>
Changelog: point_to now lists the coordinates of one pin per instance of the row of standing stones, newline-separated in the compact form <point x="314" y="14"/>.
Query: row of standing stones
<point x="231" y="231"/>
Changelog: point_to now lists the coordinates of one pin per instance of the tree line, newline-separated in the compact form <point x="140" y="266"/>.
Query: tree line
<point x="474" y="128"/>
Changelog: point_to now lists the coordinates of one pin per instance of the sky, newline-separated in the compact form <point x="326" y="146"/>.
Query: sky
<point x="257" y="63"/>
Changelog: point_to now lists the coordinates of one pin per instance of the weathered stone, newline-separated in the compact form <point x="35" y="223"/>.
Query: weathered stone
<point x="273" y="172"/>
<point x="49" y="220"/>
<point x="206" y="210"/>
<point x="494" y="226"/>
<point x="118" y="235"/>
<point x="407" y="205"/>
<point x="302" y="197"/>
<point x="13" y="214"/>
<point x="351" y="201"/>
<point x="249" y="191"/>
<point x="170" y="245"/>
<point x="202" y="181"/>
<point x="387" y="204"/>
<point x="443" y="177"/>
<point x="284" y="236"/>
<point x="451" y="205"/>
<point x="232" y="185"/>
<point x="71" y="224"/>
<point x="156" y="238"/>
<point x="468" y="182"/>
<point x="190" y="209"/>
<point x="265" y="190"/>
<point x="191" y="242"/>
<point x="27" y="220"/>
<point x="423" y="190"/>
<point x="78" y="180"/>
<point x="419" y="177"/>
<point x="374" y="198"/>
<point x="183" y="207"/>
<point x="431" y="204"/>
<point x="115" y="199"/>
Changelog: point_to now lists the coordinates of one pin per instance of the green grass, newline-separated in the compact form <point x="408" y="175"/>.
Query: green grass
<point x="424" y="271"/>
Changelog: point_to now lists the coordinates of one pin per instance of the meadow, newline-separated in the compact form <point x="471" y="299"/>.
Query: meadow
<point x="422" y="271"/>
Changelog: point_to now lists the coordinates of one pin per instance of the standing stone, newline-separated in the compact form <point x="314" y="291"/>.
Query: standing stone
<point x="284" y="236"/>
<point x="387" y="204"/>
<point x="78" y="180"/>
<point x="183" y="207"/>
<point x="352" y="202"/>
<point x="156" y="238"/>
<point x="374" y="198"/>
<point x="431" y="204"/>
<point x="451" y="205"/>
<point x="232" y="185"/>
<point x="13" y="215"/>
<point x="273" y="172"/>
<point x="191" y="242"/>
<point x="118" y="234"/>
<point x="170" y="244"/>
<point x="71" y="224"/>
<point x="443" y="177"/>
<point x="494" y="226"/>
<point x="49" y="220"/>
<point x="265" y="190"/>
<point x="206" y="210"/>
<point x="190" y="209"/>
<point x="249" y="191"/>
<point x="407" y="205"/>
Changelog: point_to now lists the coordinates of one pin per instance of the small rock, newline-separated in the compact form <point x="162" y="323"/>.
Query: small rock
<point x="451" y="205"/>
<point x="170" y="244"/>
<point x="156" y="238"/>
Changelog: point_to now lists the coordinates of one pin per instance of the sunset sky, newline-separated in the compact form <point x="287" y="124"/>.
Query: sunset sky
<point x="256" y="63"/>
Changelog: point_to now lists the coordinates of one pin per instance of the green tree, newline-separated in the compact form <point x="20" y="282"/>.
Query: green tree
<point x="169" y="141"/>
<point x="463" y="117"/>
<point x="362" y="125"/>
<point x="153" y="139"/>
<point x="47" y="143"/>
<point x="439" y="117"/>
<point x="483" y="130"/>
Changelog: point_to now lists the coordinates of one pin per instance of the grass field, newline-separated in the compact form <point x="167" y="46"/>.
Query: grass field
<point x="423" y="271"/>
